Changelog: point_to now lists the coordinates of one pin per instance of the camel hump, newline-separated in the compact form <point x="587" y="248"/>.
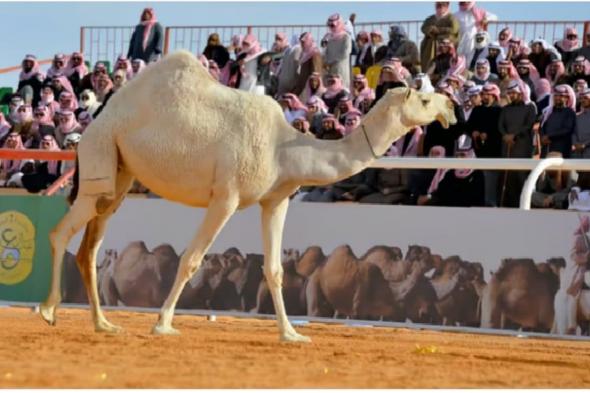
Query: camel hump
<point x="392" y="253"/>
<point x="317" y="250"/>
<point x="232" y="251"/>
<point x="165" y="250"/>
<point x="511" y="266"/>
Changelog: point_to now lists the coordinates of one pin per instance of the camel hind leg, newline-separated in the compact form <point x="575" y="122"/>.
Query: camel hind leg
<point x="86" y="257"/>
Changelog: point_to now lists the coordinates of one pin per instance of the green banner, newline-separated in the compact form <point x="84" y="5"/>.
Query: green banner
<point x="25" y="251"/>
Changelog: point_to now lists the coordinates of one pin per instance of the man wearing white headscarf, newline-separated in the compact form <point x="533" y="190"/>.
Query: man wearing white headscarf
<point x="482" y="40"/>
<point x="422" y="83"/>
<point x="471" y="20"/>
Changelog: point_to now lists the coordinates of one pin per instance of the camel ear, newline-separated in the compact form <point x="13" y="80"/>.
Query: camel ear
<point x="408" y="94"/>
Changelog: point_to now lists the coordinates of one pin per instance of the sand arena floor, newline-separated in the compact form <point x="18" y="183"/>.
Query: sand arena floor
<point x="238" y="353"/>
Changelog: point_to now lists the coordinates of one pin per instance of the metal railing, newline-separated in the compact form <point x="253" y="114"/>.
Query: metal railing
<point x="107" y="42"/>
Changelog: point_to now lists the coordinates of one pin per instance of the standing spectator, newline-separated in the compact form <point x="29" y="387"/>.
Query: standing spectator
<point x="472" y="101"/>
<point x="310" y="62"/>
<point x="216" y="51"/>
<point x="361" y="91"/>
<point x="251" y="50"/>
<point x="559" y="122"/>
<point x="580" y="69"/>
<point x="75" y="71"/>
<point x="316" y="110"/>
<point x="517" y="50"/>
<point x="390" y="78"/>
<point x="137" y="65"/>
<point x="540" y="56"/>
<point x="338" y="48"/>
<point x="581" y="138"/>
<point x="585" y="49"/>
<point x="495" y="56"/>
<point x="516" y="126"/>
<point x="399" y="46"/>
<point x="58" y="65"/>
<point x="147" y="38"/>
<point x="331" y="129"/>
<point x="504" y="38"/>
<point x="442" y="62"/>
<point x="506" y="74"/>
<point x="235" y="45"/>
<point x="442" y="25"/>
<point x="543" y="90"/>
<point x="479" y="49"/>
<point x="487" y="140"/>
<point x="364" y="59"/>
<point x="568" y="46"/>
<point x="529" y="75"/>
<point x="313" y="87"/>
<point x="376" y="44"/>
<point x="555" y="73"/>
<point x="422" y="84"/>
<point x="436" y="135"/>
<point x="482" y="73"/>
<point x="459" y="187"/>
<point x="334" y="92"/>
<point x="579" y="88"/>
<point x="289" y="69"/>
<point x="471" y="20"/>
<point x="30" y="80"/>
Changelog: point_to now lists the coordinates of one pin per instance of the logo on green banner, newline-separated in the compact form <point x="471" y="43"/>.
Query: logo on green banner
<point x="17" y="247"/>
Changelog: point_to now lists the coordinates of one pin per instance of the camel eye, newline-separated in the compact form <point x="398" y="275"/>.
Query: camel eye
<point x="425" y="102"/>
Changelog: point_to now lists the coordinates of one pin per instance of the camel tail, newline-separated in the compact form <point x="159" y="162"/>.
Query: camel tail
<point x="74" y="191"/>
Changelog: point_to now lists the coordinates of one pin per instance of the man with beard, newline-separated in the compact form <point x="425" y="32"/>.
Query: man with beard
<point x="435" y="28"/>
<point x="578" y="71"/>
<point x="487" y="140"/>
<point x="401" y="47"/>
<point x="506" y="74"/>
<point x="581" y="138"/>
<point x="527" y="72"/>
<point x="481" y="43"/>
<point x="482" y="73"/>
<point x="559" y="122"/>
<point x="30" y="80"/>
<point x="494" y="56"/>
<point x="516" y="125"/>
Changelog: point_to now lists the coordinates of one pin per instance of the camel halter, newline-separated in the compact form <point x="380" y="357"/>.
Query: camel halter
<point x="369" y="142"/>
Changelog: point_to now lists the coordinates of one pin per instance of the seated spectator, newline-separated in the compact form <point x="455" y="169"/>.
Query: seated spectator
<point x="555" y="73"/>
<point x="399" y="46"/>
<point x="338" y="48"/>
<point x="472" y="101"/>
<point x="147" y="39"/>
<point x="494" y="56"/>
<point x="4" y="128"/>
<point x="361" y="91"/>
<point x="84" y="119"/>
<point x="89" y="81"/>
<point x="88" y="102"/>
<point x="61" y="84"/>
<point x="301" y="125"/>
<point x="422" y="83"/>
<point x="66" y="124"/>
<point x="529" y="75"/>
<point x="517" y="50"/>
<point x="559" y="122"/>
<point x="579" y="69"/>
<point x="568" y="46"/>
<point x="103" y="91"/>
<point x="457" y="68"/>
<point x="581" y="137"/>
<point x="540" y="56"/>
<point x="352" y="120"/>
<point x="137" y="65"/>
<point x="251" y="50"/>
<point x="289" y="69"/>
<point x="436" y="28"/>
<point x="480" y="51"/>
<point x="459" y="187"/>
<point x="313" y="87"/>
<point x="420" y="180"/>
<point x="70" y="143"/>
<point x="310" y="62"/>
<point x="24" y="127"/>
<point x="292" y="107"/>
<point x="316" y="110"/>
<point x="390" y="78"/>
<point x="376" y="44"/>
<point x="344" y="106"/>
<point x="58" y="66"/>
<point x="436" y="135"/>
<point x="331" y="129"/>
<point x="442" y="62"/>
<point x="383" y="187"/>
<point x="124" y="64"/>
<point x="119" y="79"/>
<point x="335" y="90"/>
<point x="352" y="189"/>
<point x="42" y="122"/>
<point x="214" y="70"/>
<point x="506" y="74"/>
<point x="11" y="168"/>
<point x="30" y="80"/>
<point x="45" y="172"/>
<point x="553" y="187"/>
<point x="75" y="71"/>
<point x="543" y="92"/>
<point x="67" y="101"/>
<point x="16" y="102"/>
<point x="504" y="37"/>
<point x="482" y="73"/>
<point x="579" y="195"/>
<point x="365" y="57"/>
<point x="48" y="100"/>
<point x="216" y="51"/>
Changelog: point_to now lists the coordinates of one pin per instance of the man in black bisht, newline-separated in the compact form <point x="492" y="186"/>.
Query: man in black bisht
<point x="487" y="140"/>
<point x="516" y="126"/>
<point x="559" y="122"/>
<point x="578" y="71"/>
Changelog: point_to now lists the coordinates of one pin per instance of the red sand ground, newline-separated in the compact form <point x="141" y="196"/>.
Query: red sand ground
<point x="236" y="353"/>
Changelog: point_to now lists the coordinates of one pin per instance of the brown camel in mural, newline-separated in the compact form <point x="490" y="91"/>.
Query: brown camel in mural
<point x="521" y="292"/>
<point x="73" y="291"/>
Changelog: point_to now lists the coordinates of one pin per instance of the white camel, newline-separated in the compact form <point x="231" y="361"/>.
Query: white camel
<point x="193" y="141"/>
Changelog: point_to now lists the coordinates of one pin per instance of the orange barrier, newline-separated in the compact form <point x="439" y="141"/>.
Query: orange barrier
<point x="18" y="67"/>
<point x="37" y="154"/>
<point x="60" y="182"/>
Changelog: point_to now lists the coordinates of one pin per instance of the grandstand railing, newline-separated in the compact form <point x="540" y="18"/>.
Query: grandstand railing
<point x="107" y="42"/>
<point x="501" y="164"/>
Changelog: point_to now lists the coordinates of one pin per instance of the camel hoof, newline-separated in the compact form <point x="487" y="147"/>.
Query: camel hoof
<point x="295" y="338"/>
<point x="48" y="314"/>
<point x="165" y="331"/>
<point x="107" y="327"/>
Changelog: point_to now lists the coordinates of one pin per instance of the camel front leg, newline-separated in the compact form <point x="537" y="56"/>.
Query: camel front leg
<point x="273" y="220"/>
<point x="220" y="210"/>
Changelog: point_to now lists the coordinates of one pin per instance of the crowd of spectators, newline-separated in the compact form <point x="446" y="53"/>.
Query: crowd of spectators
<point x="512" y="99"/>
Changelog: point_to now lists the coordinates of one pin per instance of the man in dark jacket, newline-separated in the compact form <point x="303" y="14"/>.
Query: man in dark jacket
<point x="524" y="71"/>
<point x="559" y="122"/>
<point x="578" y="71"/>
<point x="30" y="81"/>
<point x="400" y="46"/>
<point x="147" y="38"/>
<point x="487" y="140"/>
<point x="516" y="126"/>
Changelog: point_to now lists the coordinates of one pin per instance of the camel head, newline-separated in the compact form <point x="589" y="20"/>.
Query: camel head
<point x="422" y="108"/>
